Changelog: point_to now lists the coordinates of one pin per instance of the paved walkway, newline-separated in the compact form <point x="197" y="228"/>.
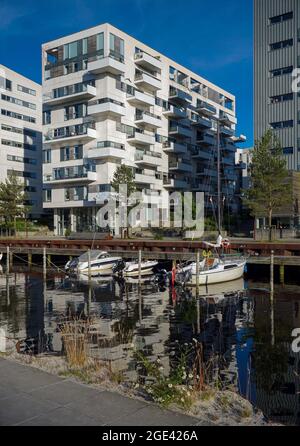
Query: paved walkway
<point x="31" y="397"/>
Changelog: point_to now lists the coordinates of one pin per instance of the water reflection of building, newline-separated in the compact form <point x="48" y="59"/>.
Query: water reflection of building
<point x="276" y="368"/>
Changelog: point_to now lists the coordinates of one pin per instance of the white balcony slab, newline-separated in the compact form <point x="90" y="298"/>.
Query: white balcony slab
<point x="106" y="153"/>
<point x="106" y="65"/>
<point x="140" y="98"/>
<point x="84" y="137"/>
<point x="147" y="81"/>
<point x="89" y="93"/>
<point x="142" y="139"/>
<point x="148" y="121"/>
<point x="147" y="61"/>
<point x="108" y="108"/>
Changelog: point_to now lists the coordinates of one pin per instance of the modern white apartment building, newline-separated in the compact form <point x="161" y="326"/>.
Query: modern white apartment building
<point x="21" y="134"/>
<point x="108" y="99"/>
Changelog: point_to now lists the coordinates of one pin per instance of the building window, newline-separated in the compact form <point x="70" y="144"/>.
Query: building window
<point x="116" y="47"/>
<point x="71" y="153"/>
<point x="26" y="90"/>
<point x="47" y="195"/>
<point x="76" y="193"/>
<point x="47" y="156"/>
<point x="280" y="45"/>
<point x="281" y="18"/>
<point x="16" y="101"/>
<point x="5" y="84"/>
<point x="47" y="117"/>
<point x="71" y="50"/>
<point x="281" y="71"/>
<point x="282" y="98"/>
<point x="288" y="150"/>
<point x="100" y="43"/>
<point x="282" y="124"/>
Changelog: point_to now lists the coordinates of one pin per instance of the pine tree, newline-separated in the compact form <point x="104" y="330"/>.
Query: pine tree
<point x="124" y="175"/>
<point x="12" y="197"/>
<point x="270" y="188"/>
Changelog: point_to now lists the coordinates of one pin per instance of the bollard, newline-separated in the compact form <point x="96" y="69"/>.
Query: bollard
<point x="7" y="259"/>
<point x="197" y="272"/>
<point x="89" y="264"/>
<point x="44" y="262"/>
<point x="140" y="265"/>
<point x="272" y="276"/>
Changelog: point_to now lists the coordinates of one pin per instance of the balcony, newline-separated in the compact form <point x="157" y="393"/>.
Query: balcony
<point x="71" y="93"/>
<point x="228" y="161"/>
<point x="229" y="175"/>
<point x="180" y="166"/>
<point x="228" y="119"/>
<point x="207" y="173"/>
<point x="201" y="121"/>
<point x="145" y="60"/>
<point x="228" y="147"/>
<point x="147" y="81"/>
<point x="143" y="178"/>
<point x="207" y="140"/>
<point x="147" y="119"/>
<point x="174" y="112"/>
<point x="141" y="138"/>
<point x="227" y="131"/>
<point x="107" y="150"/>
<point x="174" y="147"/>
<point x="200" y="187"/>
<point x="109" y="64"/>
<point x="201" y="154"/>
<point x="174" y="183"/>
<point x="148" y="158"/>
<point x="206" y="109"/>
<point x="83" y="177"/>
<point x="179" y="96"/>
<point x="140" y="98"/>
<point x="181" y="131"/>
<point x="80" y="132"/>
<point x="106" y="106"/>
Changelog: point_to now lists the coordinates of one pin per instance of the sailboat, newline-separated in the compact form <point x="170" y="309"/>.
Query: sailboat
<point x="217" y="269"/>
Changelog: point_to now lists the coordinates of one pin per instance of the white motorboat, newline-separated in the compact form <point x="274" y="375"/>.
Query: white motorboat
<point x="132" y="268"/>
<point x="100" y="263"/>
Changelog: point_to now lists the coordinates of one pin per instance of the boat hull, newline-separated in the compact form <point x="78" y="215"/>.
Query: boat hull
<point x="214" y="276"/>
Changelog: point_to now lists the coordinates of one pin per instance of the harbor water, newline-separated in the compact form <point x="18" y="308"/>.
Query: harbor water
<point x="235" y="322"/>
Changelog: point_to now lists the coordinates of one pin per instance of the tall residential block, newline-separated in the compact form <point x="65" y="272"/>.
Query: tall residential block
<point x="276" y="54"/>
<point x="21" y="134"/>
<point x="108" y="100"/>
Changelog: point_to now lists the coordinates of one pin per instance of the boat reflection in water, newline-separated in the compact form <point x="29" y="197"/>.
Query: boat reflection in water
<point x="232" y="322"/>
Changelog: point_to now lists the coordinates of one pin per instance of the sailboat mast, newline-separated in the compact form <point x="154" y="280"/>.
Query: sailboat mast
<point x="219" y="175"/>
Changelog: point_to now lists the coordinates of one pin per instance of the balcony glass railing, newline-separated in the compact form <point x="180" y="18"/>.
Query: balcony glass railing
<point x="139" y="115"/>
<point x="109" y="145"/>
<point x="67" y="132"/>
<point x="140" y="156"/>
<point x="69" y="90"/>
<point x="140" y="75"/>
<point x="106" y="101"/>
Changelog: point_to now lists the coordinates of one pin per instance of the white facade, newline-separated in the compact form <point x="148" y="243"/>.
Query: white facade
<point x="21" y="134"/>
<point x="108" y="100"/>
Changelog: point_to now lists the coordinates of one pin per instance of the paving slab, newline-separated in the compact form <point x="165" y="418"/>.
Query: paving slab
<point x="31" y="397"/>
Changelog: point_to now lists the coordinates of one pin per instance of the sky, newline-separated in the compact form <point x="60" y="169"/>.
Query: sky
<point x="212" y="38"/>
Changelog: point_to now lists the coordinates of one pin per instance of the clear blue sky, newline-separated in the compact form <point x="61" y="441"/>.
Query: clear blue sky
<point x="211" y="37"/>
